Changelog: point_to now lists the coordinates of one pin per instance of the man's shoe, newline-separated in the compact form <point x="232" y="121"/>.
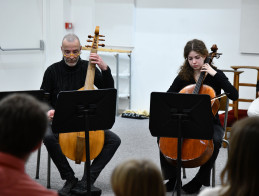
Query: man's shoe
<point x="81" y="189"/>
<point x="192" y="187"/>
<point x="69" y="184"/>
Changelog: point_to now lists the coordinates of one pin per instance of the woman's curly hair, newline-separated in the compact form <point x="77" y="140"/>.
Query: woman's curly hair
<point x="186" y="71"/>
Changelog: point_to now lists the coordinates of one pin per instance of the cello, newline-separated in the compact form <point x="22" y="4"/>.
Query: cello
<point x="195" y="152"/>
<point x="73" y="144"/>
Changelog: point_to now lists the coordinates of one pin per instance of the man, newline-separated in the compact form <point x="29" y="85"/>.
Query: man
<point x="70" y="74"/>
<point x="23" y="123"/>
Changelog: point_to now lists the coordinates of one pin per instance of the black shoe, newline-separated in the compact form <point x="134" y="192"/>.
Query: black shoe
<point x="193" y="186"/>
<point x="69" y="184"/>
<point x="81" y="189"/>
<point x="170" y="184"/>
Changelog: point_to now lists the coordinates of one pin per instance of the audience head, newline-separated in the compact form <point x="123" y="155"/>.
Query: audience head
<point x="23" y="122"/>
<point x="138" y="178"/>
<point x="241" y="172"/>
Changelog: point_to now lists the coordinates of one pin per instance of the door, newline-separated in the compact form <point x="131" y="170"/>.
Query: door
<point x="21" y="59"/>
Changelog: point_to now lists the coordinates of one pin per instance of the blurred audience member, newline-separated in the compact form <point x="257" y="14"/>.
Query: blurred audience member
<point x="23" y="122"/>
<point x="240" y="176"/>
<point x="138" y="178"/>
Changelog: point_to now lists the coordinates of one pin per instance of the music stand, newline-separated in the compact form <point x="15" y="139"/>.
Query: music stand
<point x="85" y="111"/>
<point x="180" y="116"/>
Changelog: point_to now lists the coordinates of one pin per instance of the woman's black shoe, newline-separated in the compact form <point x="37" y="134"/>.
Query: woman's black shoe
<point x="193" y="186"/>
<point x="170" y="185"/>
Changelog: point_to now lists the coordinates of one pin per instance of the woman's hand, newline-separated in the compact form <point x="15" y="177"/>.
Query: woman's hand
<point x="208" y="69"/>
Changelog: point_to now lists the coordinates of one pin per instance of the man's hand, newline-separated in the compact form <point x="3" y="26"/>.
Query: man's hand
<point x="95" y="58"/>
<point x="50" y="114"/>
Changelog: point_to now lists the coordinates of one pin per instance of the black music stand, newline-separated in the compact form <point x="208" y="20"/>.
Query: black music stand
<point x="85" y="111"/>
<point x="180" y="116"/>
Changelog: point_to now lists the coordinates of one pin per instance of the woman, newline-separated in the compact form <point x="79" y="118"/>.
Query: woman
<point x="195" y="53"/>
<point x="138" y="178"/>
<point x="240" y="176"/>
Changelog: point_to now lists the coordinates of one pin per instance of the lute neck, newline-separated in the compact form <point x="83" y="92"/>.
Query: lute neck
<point x="89" y="80"/>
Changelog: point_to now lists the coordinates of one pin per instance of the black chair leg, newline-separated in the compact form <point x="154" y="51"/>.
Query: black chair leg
<point x="48" y="168"/>
<point x="213" y="175"/>
<point x="38" y="164"/>
<point x="184" y="173"/>
<point x="214" y="166"/>
<point x="48" y="172"/>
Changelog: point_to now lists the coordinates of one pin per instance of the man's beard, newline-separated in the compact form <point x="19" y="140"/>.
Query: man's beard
<point x="70" y="62"/>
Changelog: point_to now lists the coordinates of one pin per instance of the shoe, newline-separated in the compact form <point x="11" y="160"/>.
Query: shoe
<point x="170" y="184"/>
<point x="193" y="186"/>
<point x="81" y="189"/>
<point x="69" y="184"/>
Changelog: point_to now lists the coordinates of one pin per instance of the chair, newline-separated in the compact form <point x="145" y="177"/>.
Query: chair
<point x="233" y="114"/>
<point x="224" y="105"/>
<point x="48" y="167"/>
<point x="238" y="84"/>
<point x="236" y="113"/>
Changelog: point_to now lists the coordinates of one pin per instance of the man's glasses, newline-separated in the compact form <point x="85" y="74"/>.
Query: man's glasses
<point x="75" y="53"/>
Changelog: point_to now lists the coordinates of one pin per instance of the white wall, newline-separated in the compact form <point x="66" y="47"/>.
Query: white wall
<point x="162" y="32"/>
<point x="56" y="14"/>
<point x="20" y="27"/>
<point x="158" y="31"/>
<point x="249" y="38"/>
<point x="116" y="19"/>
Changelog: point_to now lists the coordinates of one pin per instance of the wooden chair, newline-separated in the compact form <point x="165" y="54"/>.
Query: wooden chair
<point x="238" y="84"/>
<point x="236" y="113"/>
